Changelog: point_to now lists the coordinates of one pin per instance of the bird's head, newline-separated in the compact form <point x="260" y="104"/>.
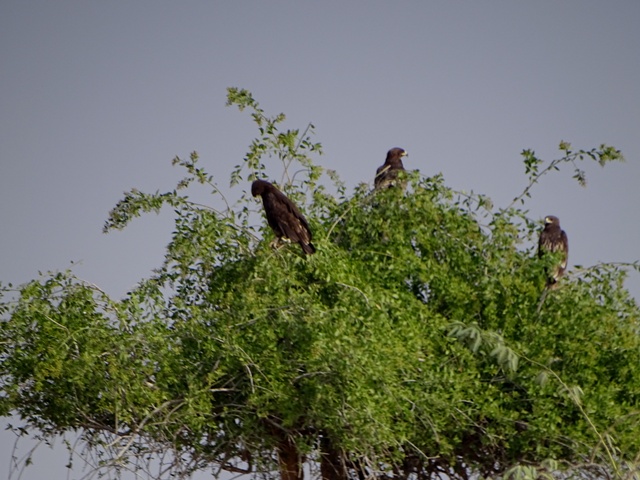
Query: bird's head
<point x="258" y="187"/>
<point x="551" y="220"/>
<point x="396" y="153"/>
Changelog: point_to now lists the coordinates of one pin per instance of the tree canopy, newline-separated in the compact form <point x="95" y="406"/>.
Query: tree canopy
<point x="412" y="344"/>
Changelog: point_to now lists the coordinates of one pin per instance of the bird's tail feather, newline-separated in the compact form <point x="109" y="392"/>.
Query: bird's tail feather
<point x="542" y="297"/>
<point x="308" y="248"/>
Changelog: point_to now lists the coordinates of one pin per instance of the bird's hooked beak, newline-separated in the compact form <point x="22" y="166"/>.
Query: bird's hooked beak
<point x="404" y="153"/>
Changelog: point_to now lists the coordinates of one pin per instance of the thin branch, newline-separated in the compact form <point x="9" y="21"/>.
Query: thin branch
<point x="141" y="426"/>
<point x="354" y="288"/>
<point x="578" y="404"/>
<point x="536" y="178"/>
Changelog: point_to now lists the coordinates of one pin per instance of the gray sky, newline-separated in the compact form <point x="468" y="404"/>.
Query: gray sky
<point x="98" y="97"/>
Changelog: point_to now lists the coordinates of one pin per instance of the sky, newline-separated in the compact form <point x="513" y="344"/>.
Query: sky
<point x="96" y="98"/>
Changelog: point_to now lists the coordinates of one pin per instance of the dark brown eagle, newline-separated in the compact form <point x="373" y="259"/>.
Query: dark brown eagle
<point x="553" y="239"/>
<point x="283" y="216"/>
<point x="387" y="174"/>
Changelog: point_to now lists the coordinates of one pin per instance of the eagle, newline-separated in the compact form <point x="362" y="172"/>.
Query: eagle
<point x="552" y="240"/>
<point x="387" y="174"/>
<point x="283" y="216"/>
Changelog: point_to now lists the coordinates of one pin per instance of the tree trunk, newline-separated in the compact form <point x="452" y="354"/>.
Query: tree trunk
<point x="289" y="460"/>
<point x="332" y="466"/>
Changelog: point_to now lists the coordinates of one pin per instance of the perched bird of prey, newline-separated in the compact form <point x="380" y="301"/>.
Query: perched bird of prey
<point x="387" y="174"/>
<point x="283" y="216"/>
<point x="553" y="239"/>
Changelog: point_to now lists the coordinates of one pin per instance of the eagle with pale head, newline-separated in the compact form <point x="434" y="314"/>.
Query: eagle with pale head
<point x="552" y="240"/>
<point x="387" y="173"/>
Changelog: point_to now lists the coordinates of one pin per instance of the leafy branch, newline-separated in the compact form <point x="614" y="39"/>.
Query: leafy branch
<point x="287" y="146"/>
<point x="575" y="394"/>
<point x="535" y="169"/>
<point x="488" y="342"/>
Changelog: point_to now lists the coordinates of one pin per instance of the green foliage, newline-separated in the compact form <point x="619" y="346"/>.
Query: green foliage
<point x="409" y="343"/>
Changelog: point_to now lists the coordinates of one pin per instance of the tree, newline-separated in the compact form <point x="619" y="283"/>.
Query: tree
<point x="408" y="346"/>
